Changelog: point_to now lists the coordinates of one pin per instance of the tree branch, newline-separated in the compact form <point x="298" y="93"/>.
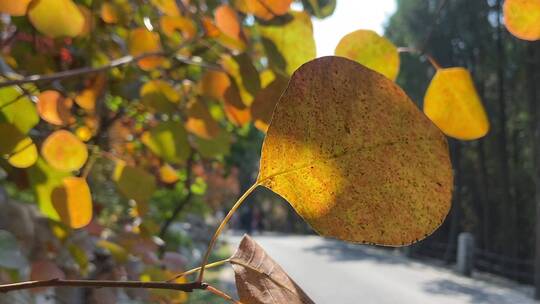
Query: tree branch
<point x="182" y="204"/>
<point x="186" y="287"/>
<point x="114" y="63"/>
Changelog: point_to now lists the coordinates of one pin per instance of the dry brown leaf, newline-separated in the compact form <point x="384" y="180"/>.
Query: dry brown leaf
<point x="260" y="280"/>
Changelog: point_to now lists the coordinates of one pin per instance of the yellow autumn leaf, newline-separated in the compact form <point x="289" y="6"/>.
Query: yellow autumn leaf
<point x="64" y="151"/>
<point x="24" y="154"/>
<point x="522" y="18"/>
<point x="352" y="154"/>
<point x="168" y="175"/>
<point x="167" y="7"/>
<point x="142" y="41"/>
<point x="56" y="18"/>
<point x="73" y="202"/>
<point x="264" y="9"/>
<point x="453" y="104"/>
<point x="368" y="48"/>
<point x="170" y="25"/>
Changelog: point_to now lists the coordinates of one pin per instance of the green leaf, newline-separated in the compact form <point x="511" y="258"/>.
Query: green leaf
<point x="169" y="141"/>
<point x="18" y="109"/>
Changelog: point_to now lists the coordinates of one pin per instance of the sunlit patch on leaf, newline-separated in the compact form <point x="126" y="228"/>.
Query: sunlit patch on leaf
<point x="55" y="108"/>
<point x="73" y="202"/>
<point x="522" y="18"/>
<point x="56" y="18"/>
<point x="171" y="25"/>
<point x="370" y="49"/>
<point x="227" y="21"/>
<point x="168" y="175"/>
<point x="142" y="41"/>
<point x="453" y="104"/>
<point x="87" y="98"/>
<point x="260" y="280"/>
<point x="64" y="151"/>
<point x="167" y="7"/>
<point x="14" y="7"/>
<point x="214" y="84"/>
<point x="16" y="108"/>
<point x="24" y="154"/>
<point x="282" y="43"/>
<point x="44" y="179"/>
<point x="109" y="13"/>
<point x="160" y="96"/>
<point x="134" y="182"/>
<point x="169" y="141"/>
<point x="328" y="155"/>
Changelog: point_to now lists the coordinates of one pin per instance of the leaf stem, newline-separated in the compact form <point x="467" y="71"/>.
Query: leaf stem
<point x="430" y="58"/>
<point x="222" y="294"/>
<point x="221" y="227"/>
<point x="186" y="287"/>
<point x="186" y="273"/>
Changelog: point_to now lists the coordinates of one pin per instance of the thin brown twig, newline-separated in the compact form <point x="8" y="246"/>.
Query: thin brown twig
<point x="430" y="58"/>
<point x="182" y="204"/>
<point x="222" y="294"/>
<point x="185" y="287"/>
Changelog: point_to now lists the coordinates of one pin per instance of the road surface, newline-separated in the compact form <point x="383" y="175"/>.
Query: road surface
<point x="334" y="272"/>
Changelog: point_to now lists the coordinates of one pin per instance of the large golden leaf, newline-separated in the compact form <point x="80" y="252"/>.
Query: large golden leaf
<point x="355" y="157"/>
<point x="452" y="103"/>
<point x="56" y="18"/>
<point x="260" y="280"/>
<point x="522" y="18"/>
<point x="370" y="49"/>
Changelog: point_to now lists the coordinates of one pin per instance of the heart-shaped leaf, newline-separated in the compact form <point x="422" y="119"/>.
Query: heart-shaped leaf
<point x="355" y="157"/>
<point x="260" y="280"/>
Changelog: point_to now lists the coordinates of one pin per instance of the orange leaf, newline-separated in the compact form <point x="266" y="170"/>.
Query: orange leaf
<point x="227" y="21"/>
<point x="200" y="122"/>
<point x="522" y="18"/>
<point x="14" y="7"/>
<point x="73" y="202"/>
<point x="64" y="151"/>
<point x="55" y="108"/>
<point x="142" y="41"/>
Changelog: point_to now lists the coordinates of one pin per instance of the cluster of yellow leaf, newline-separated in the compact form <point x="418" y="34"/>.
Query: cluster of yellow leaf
<point x="451" y="100"/>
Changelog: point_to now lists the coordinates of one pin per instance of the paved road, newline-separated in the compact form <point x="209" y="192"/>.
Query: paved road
<point x="334" y="272"/>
